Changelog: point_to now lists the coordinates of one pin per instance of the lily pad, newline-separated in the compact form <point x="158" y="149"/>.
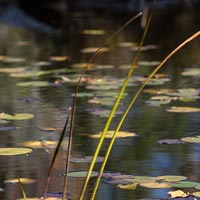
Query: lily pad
<point x="170" y="141"/>
<point x="132" y="186"/>
<point x="172" y="178"/>
<point x="39" y="144"/>
<point x="86" y="159"/>
<point x="19" y="116"/>
<point x="109" y="134"/>
<point x="191" y="72"/>
<point x="93" y="32"/>
<point x="83" y="65"/>
<point x="196" y="194"/>
<point x="81" y="174"/>
<point x="185" y="184"/>
<point x="7" y="128"/>
<point x="59" y="58"/>
<point x="177" y="193"/>
<point x="94" y="49"/>
<point x="155" y="185"/>
<point x="12" y="151"/>
<point x="22" y="180"/>
<point x="193" y="139"/>
<point x="142" y="179"/>
<point x="34" y="84"/>
<point x="180" y="109"/>
<point x="148" y="63"/>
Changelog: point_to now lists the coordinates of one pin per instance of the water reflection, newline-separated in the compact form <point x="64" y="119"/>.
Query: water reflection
<point x="139" y="156"/>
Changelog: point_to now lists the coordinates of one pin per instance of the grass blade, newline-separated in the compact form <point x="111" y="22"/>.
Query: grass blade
<point x="55" y="155"/>
<point x="116" y="105"/>
<point x="22" y="188"/>
<point x="133" y="102"/>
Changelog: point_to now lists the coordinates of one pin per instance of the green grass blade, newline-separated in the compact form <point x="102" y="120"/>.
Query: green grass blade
<point x="22" y="188"/>
<point x="116" y="105"/>
<point x="133" y="102"/>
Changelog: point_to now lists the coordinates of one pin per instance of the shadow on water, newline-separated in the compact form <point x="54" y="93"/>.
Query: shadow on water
<point x="33" y="45"/>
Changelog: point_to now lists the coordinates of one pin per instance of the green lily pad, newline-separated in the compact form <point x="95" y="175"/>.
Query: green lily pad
<point x="185" y="184"/>
<point x="172" y="178"/>
<point x="193" y="139"/>
<point x="180" y="109"/>
<point x="18" y="116"/>
<point x="34" y="84"/>
<point x="81" y="174"/>
<point x="12" y="151"/>
<point x="142" y="179"/>
<point x="86" y="159"/>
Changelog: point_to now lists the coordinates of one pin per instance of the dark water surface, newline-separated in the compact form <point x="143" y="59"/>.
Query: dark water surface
<point x="137" y="156"/>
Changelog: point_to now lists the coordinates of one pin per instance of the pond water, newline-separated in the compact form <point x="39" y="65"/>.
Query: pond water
<point x="54" y="58"/>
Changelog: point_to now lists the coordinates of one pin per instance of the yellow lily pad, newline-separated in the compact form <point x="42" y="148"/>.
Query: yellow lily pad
<point x="109" y="134"/>
<point x="128" y="186"/>
<point x="40" y="144"/>
<point x="180" y="109"/>
<point x="155" y="185"/>
<point x="194" y="139"/>
<point x="94" y="49"/>
<point x="12" y="151"/>
<point x="19" y="116"/>
<point x="177" y="193"/>
<point x="93" y="32"/>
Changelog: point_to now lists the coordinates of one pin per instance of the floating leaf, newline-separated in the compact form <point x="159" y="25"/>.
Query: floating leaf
<point x="170" y="141"/>
<point x="103" y="101"/>
<point x="59" y="58"/>
<point x="148" y="63"/>
<point x="128" y="186"/>
<point x="177" y="193"/>
<point x="158" y="100"/>
<point x="47" y="128"/>
<point x="142" y="179"/>
<point x="39" y="144"/>
<point x="94" y="49"/>
<point x="83" y="94"/>
<point x="155" y="185"/>
<point x="180" y="109"/>
<point x="81" y="174"/>
<point x="196" y="194"/>
<point x="126" y="44"/>
<point x="185" y="184"/>
<point x="86" y="159"/>
<point x="7" y="128"/>
<point x="158" y="91"/>
<point x="22" y="180"/>
<point x="191" y="72"/>
<point x="34" y="84"/>
<point x="13" y="70"/>
<point x="82" y="65"/>
<point x="103" y="112"/>
<point x="93" y="32"/>
<point x="19" y="116"/>
<point x="171" y="178"/>
<point x="12" y="151"/>
<point x="109" y="134"/>
<point x="193" y="139"/>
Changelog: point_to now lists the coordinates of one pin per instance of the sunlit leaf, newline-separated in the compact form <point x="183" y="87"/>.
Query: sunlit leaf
<point x="22" y="180"/>
<point x="126" y="44"/>
<point x="158" y="100"/>
<point x="185" y="184"/>
<point x="177" y="193"/>
<point x="82" y="65"/>
<point x="81" y="174"/>
<point x="18" y="116"/>
<point x="94" y="49"/>
<point x="12" y="151"/>
<point x="40" y="144"/>
<point x="155" y="185"/>
<point x="158" y="91"/>
<point x="13" y="70"/>
<point x="9" y="59"/>
<point x="191" y="72"/>
<point x="128" y="186"/>
<point x="86" y="159"/>
<point x="34" y="84"/>
<point x="171" y="178"/>
<point x="193" y="139"/>
<point x="180" y="109"/>
<point x="148" y="63"/>
<point x="196" y="194"/>
<point x="47" y="128"/>
<point x="103" y="101"/>
<point x="93" y="32"/>
<point x="109" y="134"/>
<point x="83" y="94"/>
<point x="59" y="58"/>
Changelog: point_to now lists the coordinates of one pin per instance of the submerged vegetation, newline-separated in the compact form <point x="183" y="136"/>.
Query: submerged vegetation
<point x="112" y="105"/>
